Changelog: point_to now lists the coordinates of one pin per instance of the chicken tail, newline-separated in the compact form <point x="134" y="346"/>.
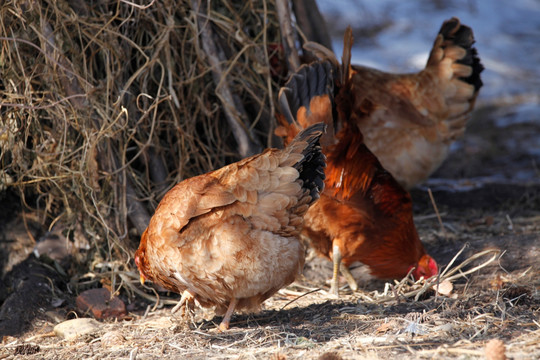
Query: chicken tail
<point x="454" y="60"/>
<point x="311" y="166"/>
<point x="308" y="98"/>
<point x="324" y="54"/>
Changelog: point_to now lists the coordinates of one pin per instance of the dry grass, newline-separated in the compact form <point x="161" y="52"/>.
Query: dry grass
<point x="106" y="105"/>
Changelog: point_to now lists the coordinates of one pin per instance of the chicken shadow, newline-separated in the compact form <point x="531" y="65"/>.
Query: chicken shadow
<point x="311" y="323"/>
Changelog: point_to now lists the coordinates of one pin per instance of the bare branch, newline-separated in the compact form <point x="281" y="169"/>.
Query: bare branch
<point x="287" y="34"/>
<point x="234" y="111"/>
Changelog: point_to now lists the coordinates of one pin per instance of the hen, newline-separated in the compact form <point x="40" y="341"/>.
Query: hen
<point x="410" y="120"/>
<point x="230" y="238"/>
<point x="363" y="214"/>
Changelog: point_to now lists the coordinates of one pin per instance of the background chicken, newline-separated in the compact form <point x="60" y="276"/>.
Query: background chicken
<point x="410" y="120"/>
<point x="229" y="238"/>
<point x="363" y="214"/>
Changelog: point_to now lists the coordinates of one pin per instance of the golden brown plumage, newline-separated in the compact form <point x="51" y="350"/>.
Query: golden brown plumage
<point x="409" y="120"/>
<point x="229" y="238"/>
<point x="363" y="214"/>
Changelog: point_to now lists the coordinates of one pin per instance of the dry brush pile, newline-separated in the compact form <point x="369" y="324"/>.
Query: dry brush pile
<point x="107" y="104"/>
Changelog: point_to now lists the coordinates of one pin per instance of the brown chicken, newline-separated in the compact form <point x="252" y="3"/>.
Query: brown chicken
<point x="410" y="120"/>
<point x="364" y="214"/>
<point x="230" y="238"/>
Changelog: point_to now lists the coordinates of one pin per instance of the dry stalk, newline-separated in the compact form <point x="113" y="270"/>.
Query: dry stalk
<point x="419" y="287"/>
<point x="234" y="111"/>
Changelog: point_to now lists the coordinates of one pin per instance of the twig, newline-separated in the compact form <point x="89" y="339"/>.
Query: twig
<point x="142" y="7"/>
<point x="234" y="112"/>
<point x="436" y="210"/>
<point x="299" y="297"/>
<point x="287" y="34"/>
<point x="311" y="22"/>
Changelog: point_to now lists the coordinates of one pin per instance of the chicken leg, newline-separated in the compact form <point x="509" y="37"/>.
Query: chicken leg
<point x="227" y="317"/>
<point x="349" y="277"/>
<point x="336" y="257"/>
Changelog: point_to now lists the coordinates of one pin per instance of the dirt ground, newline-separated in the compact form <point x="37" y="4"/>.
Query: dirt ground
<point x="488" y="196"/>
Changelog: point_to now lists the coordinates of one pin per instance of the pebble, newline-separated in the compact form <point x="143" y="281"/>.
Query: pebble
<point x="444" y="288"/>
<point x="74" y="328"/>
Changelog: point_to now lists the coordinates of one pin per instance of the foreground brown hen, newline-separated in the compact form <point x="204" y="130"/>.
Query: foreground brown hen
<point x="229" y="238"/>
<point x="364" y="214"/>
<point x="410" y="120"/>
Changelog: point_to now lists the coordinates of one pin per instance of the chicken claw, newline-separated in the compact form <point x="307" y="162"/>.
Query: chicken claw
<point x="187" y="298"/>
<point x="349" y="277"/>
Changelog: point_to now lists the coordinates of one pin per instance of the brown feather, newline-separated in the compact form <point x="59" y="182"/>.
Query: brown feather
<point x="363" y="211"/>
<point x="233" y="233"/>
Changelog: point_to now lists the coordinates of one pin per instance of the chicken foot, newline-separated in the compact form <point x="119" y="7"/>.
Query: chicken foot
<point x="227" y="317"/>
<point x="187" y="298"/>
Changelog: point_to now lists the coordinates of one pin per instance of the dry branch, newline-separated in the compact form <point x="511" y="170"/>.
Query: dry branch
<point x="234" y="111"/>
<point x="287" y="34"/>
<point x="311" y="22"/>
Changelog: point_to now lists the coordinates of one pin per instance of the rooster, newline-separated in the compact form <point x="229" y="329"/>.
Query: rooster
<point x="363" y="214"/>
<point x="230" y="238"/>
<point x="409" y="121"/>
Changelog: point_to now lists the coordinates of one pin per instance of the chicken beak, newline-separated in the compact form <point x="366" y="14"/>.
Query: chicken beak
<point x="142" y="279"/>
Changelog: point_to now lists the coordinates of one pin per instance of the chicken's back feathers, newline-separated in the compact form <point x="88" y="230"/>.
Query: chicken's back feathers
<point x="311" y="166"/>
<point x="233" y="233"/>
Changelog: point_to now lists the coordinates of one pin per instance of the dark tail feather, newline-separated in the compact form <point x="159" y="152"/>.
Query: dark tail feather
<point x="308" y="97"/>
<point x="311" y="167"/>
<point x="455" y="33"/>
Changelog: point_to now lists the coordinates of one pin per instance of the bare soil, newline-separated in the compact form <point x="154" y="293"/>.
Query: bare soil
<point x="488" y="196"/>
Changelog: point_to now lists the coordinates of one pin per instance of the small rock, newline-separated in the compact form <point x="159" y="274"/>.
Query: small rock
<point x="444" y="288"/>
<point x="330" y="356"/>
<point x="100" y="303"/>
<point x="112" y="339"/>
<point x="447" y="328"/>
<point x="73" y="328"/>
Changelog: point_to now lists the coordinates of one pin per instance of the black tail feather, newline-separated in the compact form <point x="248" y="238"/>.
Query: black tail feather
<point x="309" y="81"/>
<point x="461" y="35"/>
<point x="311" y="167"/>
